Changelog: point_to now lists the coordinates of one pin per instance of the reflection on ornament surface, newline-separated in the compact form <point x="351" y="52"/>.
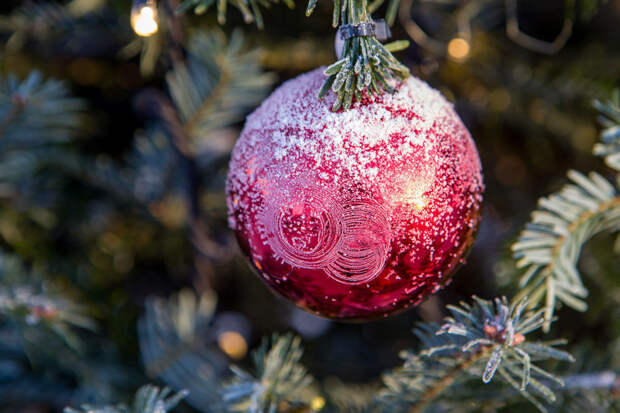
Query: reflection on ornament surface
<point x="311" y="228"/>
<point x="355" y="214"/>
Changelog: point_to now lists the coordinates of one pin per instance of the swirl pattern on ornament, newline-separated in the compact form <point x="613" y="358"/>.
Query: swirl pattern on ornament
<point x="314" y="229"/>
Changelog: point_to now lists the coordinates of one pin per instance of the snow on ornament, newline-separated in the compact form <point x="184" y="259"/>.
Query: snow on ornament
<point x="354" y="214"/>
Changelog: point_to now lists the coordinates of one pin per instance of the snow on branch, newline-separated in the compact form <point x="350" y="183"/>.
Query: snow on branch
<point x="173" y="337"/>
<point x="249" y="9"/>
<point x="487" y="340"/>
<point x="367" y="67"/>
<point x="219" y="83"/>
<point x="148" y="399"/>
<point x="277" y="382"/>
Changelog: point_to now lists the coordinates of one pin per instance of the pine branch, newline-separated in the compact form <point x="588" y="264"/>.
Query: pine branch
<point x="366" y="68"/>
<point x="34" y="19"/>
<point x="36" y="312"/>
<point x="592" y="401"/>
<point x="148" y="399"/>
<point x="45" y="346"/>
<point x="47" y="25"/>
<point x="609" y="147"/>
<point x="36" y="112"/>
<point x="250" y="9"/>
<point x="593" y="383"/>
<point x="36" y="117"/>
<point x="278" y="380"/>
<point x="174" y="338"/>
<point x="349" y="397"/>
<point x="215" y="88"/>
<point x="217" y="85"/>
<point x="550" y="245"/>
<point x="446" y="381"/>
<point x="475" y="341"/>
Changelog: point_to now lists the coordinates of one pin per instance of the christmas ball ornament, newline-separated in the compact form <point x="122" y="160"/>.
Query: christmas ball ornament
<point x="354" y="214"/>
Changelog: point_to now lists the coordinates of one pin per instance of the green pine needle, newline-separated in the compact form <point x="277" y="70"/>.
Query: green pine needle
<point x="279" y="378"/>
<point x="549" y="247"/>
<point x="148" y="399"/>
<point x="250" y="9"/>
<point x="475" y="341"/>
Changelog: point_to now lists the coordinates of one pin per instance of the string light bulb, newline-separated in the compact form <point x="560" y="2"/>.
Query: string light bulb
<point x="144" y="17"/>
<point x="458" y="49"/>
<point x="232" y="331"/>
<point x="233" y="344"/>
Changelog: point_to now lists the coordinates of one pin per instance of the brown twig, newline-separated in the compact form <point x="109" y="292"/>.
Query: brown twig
<point x="447" y="381"/>
<point x="513" y="31"/>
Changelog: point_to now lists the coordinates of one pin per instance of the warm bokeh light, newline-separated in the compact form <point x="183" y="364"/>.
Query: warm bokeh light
<point x="233" y="344"/>
<point x="317" y="403"/>
<point x="144" y="19"/>
<point x="458" y="49"/>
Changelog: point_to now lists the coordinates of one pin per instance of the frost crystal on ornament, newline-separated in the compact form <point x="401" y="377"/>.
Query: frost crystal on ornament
<point x="354" y="214"/>
<point x="309" y="227"/>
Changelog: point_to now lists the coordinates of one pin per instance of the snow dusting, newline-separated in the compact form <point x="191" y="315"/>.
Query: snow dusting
<point x="356" y="213"/>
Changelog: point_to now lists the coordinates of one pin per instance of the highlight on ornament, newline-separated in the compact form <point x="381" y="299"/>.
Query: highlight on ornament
<point x="355" y="214"/>
<point x="144" y="19"/>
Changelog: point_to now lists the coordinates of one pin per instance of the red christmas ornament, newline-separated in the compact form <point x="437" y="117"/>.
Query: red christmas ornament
<point x="359" y="213"/>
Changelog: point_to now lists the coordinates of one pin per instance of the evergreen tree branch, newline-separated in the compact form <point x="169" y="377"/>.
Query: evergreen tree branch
<point x="34" y="311"/>
<point x="148" y="399"/>
<point x="609" y="147"/>
<point x="36" y="19"/>
<point x="45" y="343"/>
<point x="447" y="381"/>
<point x="366" y="67"/>
<point x="206" y="97"/>
<point x="277" y="382"/>
<point x="592" y="391"/>
<point x="216" y="86"/>
<point x="36" y="112"/>
<point x="475" y="341"/>
<point x="174" y="337"/>
<point x="549" y="247"/>
<point x="250" y="9"/>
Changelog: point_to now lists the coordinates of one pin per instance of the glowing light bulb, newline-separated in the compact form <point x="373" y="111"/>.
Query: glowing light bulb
<point x="317" y="403"/>
<point x="458" y="49"/>
<point x="144" y="18"/>
<point x="233" y="344"/>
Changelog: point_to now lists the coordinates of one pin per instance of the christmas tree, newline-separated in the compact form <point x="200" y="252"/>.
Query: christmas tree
<point x="131" y="224"/>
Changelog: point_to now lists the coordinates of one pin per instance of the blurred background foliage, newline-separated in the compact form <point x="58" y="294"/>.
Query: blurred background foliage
<point x="111" y="214"/>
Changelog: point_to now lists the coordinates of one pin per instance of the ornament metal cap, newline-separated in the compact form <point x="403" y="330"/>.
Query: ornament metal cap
<point x="379" y="29"/>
